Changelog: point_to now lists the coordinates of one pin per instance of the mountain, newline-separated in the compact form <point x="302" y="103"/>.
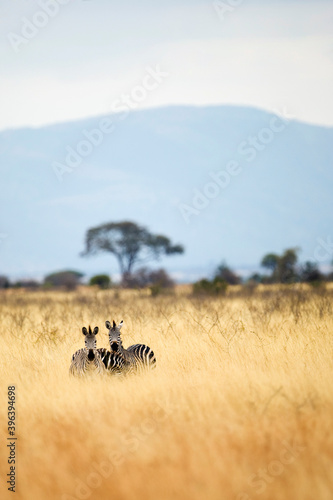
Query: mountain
<point x="230" y="183"/>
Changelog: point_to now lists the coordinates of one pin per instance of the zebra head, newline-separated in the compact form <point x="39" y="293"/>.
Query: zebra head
<point x="116" y="344"/>
<point x="90" y="341"/>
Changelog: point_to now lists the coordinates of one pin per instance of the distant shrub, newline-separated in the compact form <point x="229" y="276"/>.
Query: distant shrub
<point x="4" y="282"/>
<point x="161" y="278"/>
<point x="101" y="280"/>
<point x="224" y="273"/>
<point x="67" y="279"/>
<point x="156" y="280"/>
<point x="156" y="290"/>
<point x="217" y="286"/>
<point x="311" y="274"/>
<point x="329" y="277"/>
<point x="32" y="284"/>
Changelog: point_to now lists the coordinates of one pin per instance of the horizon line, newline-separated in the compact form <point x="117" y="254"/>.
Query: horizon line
<point x="154" y="108"/>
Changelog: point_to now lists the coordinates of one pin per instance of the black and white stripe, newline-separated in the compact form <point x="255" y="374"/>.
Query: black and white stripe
<point x="113" y="362"/>
<point x="143" y="354"/>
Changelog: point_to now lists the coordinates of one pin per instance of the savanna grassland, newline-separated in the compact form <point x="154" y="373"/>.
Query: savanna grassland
<point x="240" y="405"/>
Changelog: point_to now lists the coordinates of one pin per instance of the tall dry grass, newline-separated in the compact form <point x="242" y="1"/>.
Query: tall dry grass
<point x="239" y="407"/>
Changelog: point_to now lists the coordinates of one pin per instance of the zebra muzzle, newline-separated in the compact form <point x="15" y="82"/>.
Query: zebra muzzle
<point x="91" y="355"/>
<point x="114" y="347"/>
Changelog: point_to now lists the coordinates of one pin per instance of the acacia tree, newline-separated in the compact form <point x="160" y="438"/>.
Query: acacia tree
<point x="282" y="267"/>
<point x="130" y="243"/>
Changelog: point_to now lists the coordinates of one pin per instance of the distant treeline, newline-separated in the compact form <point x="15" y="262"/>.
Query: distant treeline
<point x="283" y="268"/>
<point x="156" y="279"/>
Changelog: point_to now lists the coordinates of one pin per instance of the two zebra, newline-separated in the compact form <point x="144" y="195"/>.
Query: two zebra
<point x="118" y="360"/>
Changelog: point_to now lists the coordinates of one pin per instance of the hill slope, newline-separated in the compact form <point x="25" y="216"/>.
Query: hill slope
<point x="151" y="168"/>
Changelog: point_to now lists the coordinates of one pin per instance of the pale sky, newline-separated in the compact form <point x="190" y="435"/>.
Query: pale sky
<point x="86" y="55"/>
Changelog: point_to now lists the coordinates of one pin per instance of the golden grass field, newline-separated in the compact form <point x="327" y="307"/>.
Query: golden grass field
<point x="239" y="407"/>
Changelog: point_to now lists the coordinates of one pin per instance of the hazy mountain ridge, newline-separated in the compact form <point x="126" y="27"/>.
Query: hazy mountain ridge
<point x="147" y="168"/>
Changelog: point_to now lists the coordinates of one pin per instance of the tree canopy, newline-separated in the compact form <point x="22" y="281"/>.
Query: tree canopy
<point x="130" y="243"/>
<point x="283" y="267"/>
<point x="270" y="261"/>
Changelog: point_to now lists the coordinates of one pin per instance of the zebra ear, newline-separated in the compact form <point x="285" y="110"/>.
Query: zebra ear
<point x="108" y="325"/>
<point x="120" y="324"/>
<point x="95" y="330"/>
<point x="84" y="331"/>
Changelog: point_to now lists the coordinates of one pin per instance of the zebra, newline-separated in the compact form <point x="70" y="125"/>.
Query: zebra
<point x="136" y="356"/>
<point x="87" y="359"/>
<point x="113" y="363"/>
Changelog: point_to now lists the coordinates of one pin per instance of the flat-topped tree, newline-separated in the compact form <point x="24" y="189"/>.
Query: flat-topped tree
<point x="130" y="243"/>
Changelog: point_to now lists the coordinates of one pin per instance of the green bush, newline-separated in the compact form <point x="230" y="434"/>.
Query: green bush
<point x="155" y="290"/>
<point x="67" y="279"/>
<point x="101" y="280"/>
<point x="217" y="286"/>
